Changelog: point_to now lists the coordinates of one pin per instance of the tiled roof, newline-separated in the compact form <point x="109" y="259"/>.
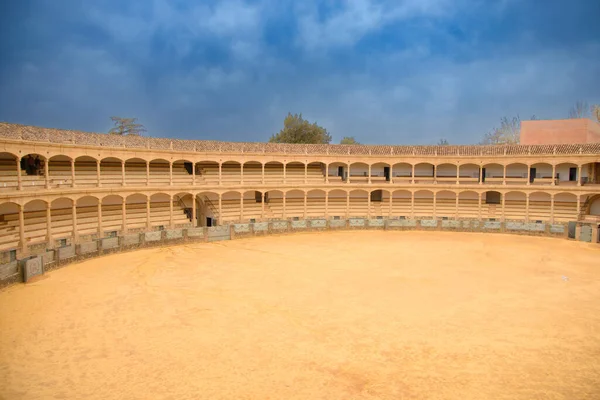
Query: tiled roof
<point x="32" y="133"/>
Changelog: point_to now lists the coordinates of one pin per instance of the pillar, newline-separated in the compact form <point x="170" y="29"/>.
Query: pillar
<point x="504" y="176"/>
<point x="49" y="223"/>
<point x="326" y="173"/>
<point x="262" y="179"/>
<point x="527" y="207"/>
<point x="481" y="174"/>
<point x="434" y="205"/>
<point x="305" y="173"/>
<point x="390" y="205"/>
<point x="284" y="212"/>
<point x="479" y="196"/>
<point x="579" y="178"/>
<point x="347" y="204"/>
<point x="262" y="205"/>
<point x="326" y="205"/>
<point x="528" y="175"/>
<point x="456" y="212"/>
<point x="458" y="174"/>
<point x="242" y="207"/>
<point x="369" y="178"/>
<point x="124" y="215"/>
<point x="305" y="204"/>
<point x="594" y="233"/>
<point x="194" y="219"/>
<point x="171" y="173"/>
<point x="220" y="203"/>
<point x="284" y="173"/>
<point x="123" y="173"/>
<point x="148" y="223"/>
<point x="412" y="204"/>
<point x="147" y="173"/>
<point x="552" y="208"/>
<point x="503" y="203"/>
<point x="391" y="174"/>
<point x="100" y="229"/>
<point x="194" y="175"/>
<point x="578" y="206"/>
<point x="434" y="174"/>
<point x="220" y="176"/>
<point x="47" y="173"/>
<point x="369" y="205"/>
<point x="19" y="183"/>
<point x="348" y="179"/>
<point x="413" y="174"/>
<point x="242" y="174"/>
<point x="553" y="174"/>
<point x="74" y="216"/>
<point x="72" y="173"/>
<point x="98" y="182"/>
<point x="22" y="242"/>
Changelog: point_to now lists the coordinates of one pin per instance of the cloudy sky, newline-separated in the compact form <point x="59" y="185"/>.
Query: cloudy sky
<point x="384" y="71"/>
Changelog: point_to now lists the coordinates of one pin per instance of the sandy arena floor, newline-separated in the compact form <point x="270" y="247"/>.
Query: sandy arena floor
<point x="347" y="315"/>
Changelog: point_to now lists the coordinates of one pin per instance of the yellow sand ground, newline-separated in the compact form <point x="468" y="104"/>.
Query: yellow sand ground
<point x="347" y="315"/>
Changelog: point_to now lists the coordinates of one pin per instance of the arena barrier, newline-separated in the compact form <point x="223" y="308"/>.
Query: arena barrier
<point x="41" y="259"/>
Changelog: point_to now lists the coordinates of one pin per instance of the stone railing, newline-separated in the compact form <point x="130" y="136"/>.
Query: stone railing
<point x="37" y="134"/>
<point x="44" y="259"/>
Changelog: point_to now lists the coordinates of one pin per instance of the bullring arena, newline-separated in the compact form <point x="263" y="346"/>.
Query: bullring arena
<point x="296" y="271"/>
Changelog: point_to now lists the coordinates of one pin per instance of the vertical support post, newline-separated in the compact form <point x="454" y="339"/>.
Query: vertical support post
<point x="148" y="223"/>
<point x="306" y="173"/>
<point x="434" y="205"/>
<point x="369" y="205"/>
<point x="22" y="243"/>
<point x="194" y="219"/>
<point x="47" y="173"/>
<point x="528" y="174"/>
<point x="552" y="208"/>
<point x="147" y="173"/>
<point x="19" y="180"/>
<point x="194" y="174"/>
<point x="220" y="207"/>
<point x="326" y="173"/>
<point x="369" y="179"/>
<point x="553" y="174"/>
<point x="49" y="223"/>
<point x="171" y="173"/>
<point x="100" y="229"/>
<point x="504" y="176"/>
<point x="479" y="206"/>
<point x="305" y="205"/>
<point x="348" y="178"/>
<point x="241" y="173"/>
<point x="262" y="206"/>
<point x="503" y="206"/>
<point x="390" y="206"/>
<point x="481" y="174"/>
<point x="326" y="204"/>
<point x="241" y="207"/>
<point x="434" y="174"/>
<point x="284" y="212"/>
<point x="123" y="173"/>
<point x="262" y="177"/>
<point x="72" y="172"/>
<point x="98" y="181"/>
<point x="124" y="215"/>
<point x="527" y="207"/>
<point x="456" y="209"/>
<point x="391" y="174"/>
<point x="347" y="204"/>
<point x="74" y="216"/>
<point x="220" y="179"/>
<point x="413" y="174"/>
<point x="579" y="177"/>
<point x="457" y="174"/>
<point x="284" y="174"/>
<point x="578" y="206"/>
<point x="412" y="204"/>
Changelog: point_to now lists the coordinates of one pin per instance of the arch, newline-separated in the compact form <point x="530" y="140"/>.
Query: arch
<point x="294" y="172"/>
<point x="135" y="171"/>
<point x="542" y="174"/>
<point x="445" y="203"/>
<point x="274" y="203"/>
<point x="315" y="203"/>
<point x="401" y="203"/>
<point x="231" y="172"/>
<point x="540" y="206"/>
<point x="379" y="203"/>
<point x="159" y="172"/>
<point x="336" y="172"/>
<point x="468" y="173"/>
<point x="401" y="172"/>
<point x="446" y="172"/>
<point x="10" y="167"/>
<point x="358" y="172"/>
<point x="516" y="173"/>
<point x="294" y="203"/>
<point x="111" y="172"/>
<point x="207" y="172"/>
<point x="274" y="172"/>
<point x="468" y="205"/>
<point x="10" y="227"/>
<point x="515" y="205"/>
<point x="359" y="203"/>
<point x="594" y="206"/>
<point x="380" y="172"/>
<point x="424" y="172"/>
<point x="231" y="207"/>
<point x="61" y="218"/>
<point x="423" y="203"/>
<point x="493" y="173"/>
<point x="86" y="174"/>
<point x="336" y="203"/>
<point x="182" y="172"/>
<point x="567" y="173"/>
<point x="315" y="172"/>
<point x="59" y="170"/>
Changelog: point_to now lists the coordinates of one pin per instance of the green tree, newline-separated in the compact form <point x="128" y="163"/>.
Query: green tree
<point x="126" y="126"/>
<point x="579" y="110"/>
<point x="443" y="142"/>
<point x="348" y="140"/>
<point x="298" y="130"/>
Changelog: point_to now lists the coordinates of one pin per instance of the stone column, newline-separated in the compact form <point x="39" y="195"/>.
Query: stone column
<point x="47" y="173"/>
<point x="579" y="177"/>
<point x="22" y="243"/>
<point x="74" y="216"/>
<point x="147" y="173"/>
<point x="305" y="174"/>
<point x="73" y="173"/>
<point x="148" y="223"/>
<point x="578" y="206"/>
<point x="98" y="181"/>
<point x="194" y="174"/>
<point x="100" y="230"/>
<point x="123" y="173"/>
<point x="369" y="205"/>
<point x="326" y="173"/>
<point x="434" y="174"/>
<point x="242" y="174"/>
<point x="49" y="223"/>
<point x="456" y="212"/>
<point x="171" y="173"/>
<point x="553" y="174"/>
<point x="171" y="222"/>
<point x="594" y="233"/>
<point x="326" y="205"/>
<point x="220" y="176"/>
<point x="347" y="204"/>
<point x="412" y="204"/>
<point x="124" y="215"/>
<point x="479" y="206"/>
<point x="284" y="173"/>
<point x="528" y="174"/>
<point x="220" y="206"/>
<point x="391" y="173"/>
<point x="19" y="183"/>
<point x="284" y="212"/>
<point x="434" y="205"/>
<point x="369" y="178"/>
<point x="457" y="174"/>
<point x="348" y="179"/>
<point x="504" y="176"/>
<point x="503" y="209"/>
<point x="527" y="207"/>
<point x="262" y="178"/>
<point x="194" y="219"/>
<point x="552" y="208"/>
<point x="242" y="207"/>
<point x="305" y="205"/>
<point x="262" y="205"/>
<point x="413" y="174"/>
<point x="481" y="174"/>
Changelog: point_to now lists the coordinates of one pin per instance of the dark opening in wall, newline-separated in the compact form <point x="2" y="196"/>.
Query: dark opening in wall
<point x="492" y="197"/>
<point x="111" y="234"/>
<point x="377" y="195"/>
<point x="62" y="242"/>
<point x="252" y="220"/>
<point x="12" y="255"/>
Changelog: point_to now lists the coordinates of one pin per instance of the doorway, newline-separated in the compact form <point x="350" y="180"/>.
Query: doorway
<point x="572" y="174"/>
<point x="532" y="172"/>
<point x="483" y="175"/>
<point x="386" y="173"/>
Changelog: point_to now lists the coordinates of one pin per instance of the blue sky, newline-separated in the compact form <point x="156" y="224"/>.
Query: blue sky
<point x="398" y="72"/>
